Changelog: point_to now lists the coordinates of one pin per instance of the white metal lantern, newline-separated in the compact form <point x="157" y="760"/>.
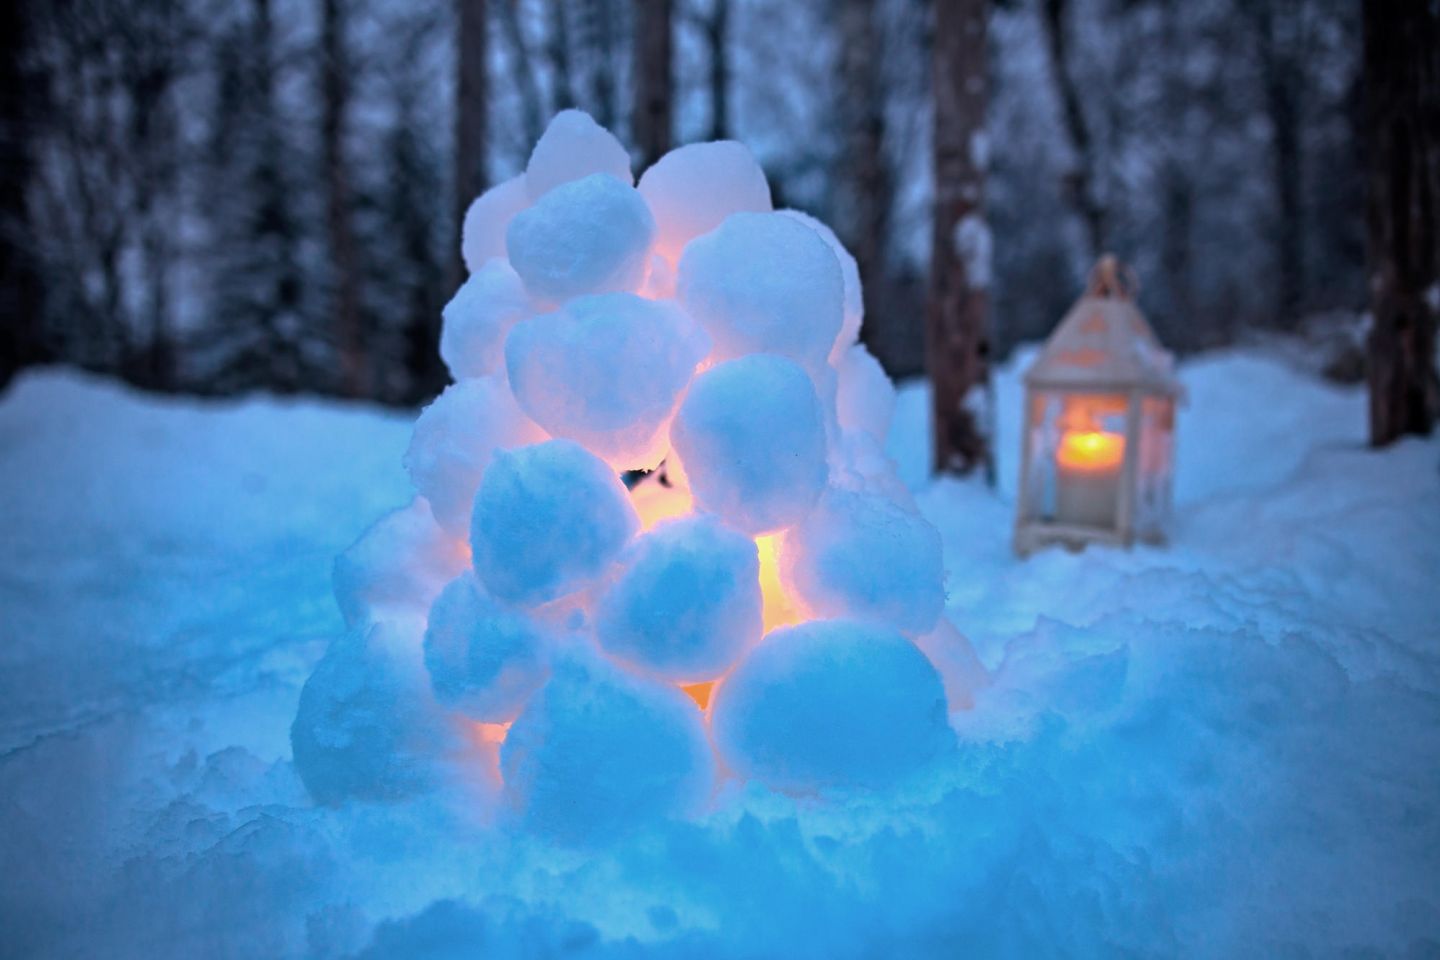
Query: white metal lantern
<point x="1098" y="440"/>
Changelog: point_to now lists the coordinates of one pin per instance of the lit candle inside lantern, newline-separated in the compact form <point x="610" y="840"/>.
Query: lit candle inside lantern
<point x="1088" y="484"/>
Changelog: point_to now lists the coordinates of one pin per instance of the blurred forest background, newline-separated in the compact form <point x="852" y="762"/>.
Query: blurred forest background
<point x="215" y="196"/>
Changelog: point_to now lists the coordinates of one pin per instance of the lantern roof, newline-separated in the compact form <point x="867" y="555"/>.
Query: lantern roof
<point x="1104" y="341"/>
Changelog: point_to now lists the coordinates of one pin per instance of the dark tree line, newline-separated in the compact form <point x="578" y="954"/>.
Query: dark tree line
<point x="217" y="197"/>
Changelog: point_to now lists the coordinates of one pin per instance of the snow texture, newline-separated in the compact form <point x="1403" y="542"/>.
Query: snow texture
<point x="1223" y="748"/>
<point x="572" y="148"/>
<point x="764" y="283"/>
<point x="688" y="603"/>
<point x="607" y="371"/>
<point x="831" y="704"/>
<point x="861" y="555"/>
<point x="849" y="275"/>
<point x="477" y="318"/>
<point x="396" y="567"/>
<point x="455" y="438"/>
<point x="591" y="235"/>
<point x="482" y="235"/>
<point x="548" y="518"/>
<point x="865" y="397"/>
<point x="692" y="189"/>
<point x="484" y="660"/>
<point x="752" y="442"/>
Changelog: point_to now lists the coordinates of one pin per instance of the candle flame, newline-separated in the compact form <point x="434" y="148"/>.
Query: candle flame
<point x="1090" y="450"/>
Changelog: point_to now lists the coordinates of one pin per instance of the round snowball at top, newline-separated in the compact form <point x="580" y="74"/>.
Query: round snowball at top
<point x="752" y="441"/>
<point x="830" y="703"/>
<point x="484" y="660"/>
<point x="454" y="439"/>
<point x="548" y="518"/>
<point x="849" y="273"/>
<point x="597" y="752"/>
<point x="397" y="567"/>
<point x="865" y="397"/>
<point x="764" y="282"/>
<point x="607" y="372"/>
<point x="860" y="555"/>
<point x="482" y="235"/>
<point x="587" y="236"/>
<point x="692" y="189"/>
<point x="688" y="603"/>
<point x="572" y="147"/>
<point x="477" y="318"/>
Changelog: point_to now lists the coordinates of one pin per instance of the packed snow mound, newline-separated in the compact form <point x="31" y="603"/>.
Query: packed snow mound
<point x="1224" y="748"/>
<point x="397" y="567"/>
<point x="865" y="397"/>
<point x="832" y="704"/>
<point x="572" y="148"/>
<point x="548" y="519"/>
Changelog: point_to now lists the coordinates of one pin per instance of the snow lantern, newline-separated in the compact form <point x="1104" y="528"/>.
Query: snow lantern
<point x="655" y="536"/>
<point x="1098" y="440"/>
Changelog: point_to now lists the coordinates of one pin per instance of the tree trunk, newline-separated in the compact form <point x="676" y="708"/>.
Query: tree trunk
<point x="562" y="95"/>
<point x="471" y="118"/>
<point x="1080" y="186"/>
<point x="522" y="71"/>
<point x="1282" y="79"/>
<point x="958" y="338"/>
<point x="717" y="37"/>
<point x="654" y="80"/>
<point x="21" y="340"/>
<point x="344" y="267"/>
<point x="1402" y="112"/>
<point x="866" y="184"/>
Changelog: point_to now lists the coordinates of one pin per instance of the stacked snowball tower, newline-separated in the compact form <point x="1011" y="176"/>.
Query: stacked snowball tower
<point x="657" y="546"/>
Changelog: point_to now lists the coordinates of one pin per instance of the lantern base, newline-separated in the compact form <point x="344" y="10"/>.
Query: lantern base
<point x="1033" y="536"/>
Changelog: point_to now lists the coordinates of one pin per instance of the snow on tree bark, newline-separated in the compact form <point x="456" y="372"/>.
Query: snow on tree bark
<point x="957" y="332"/>
<point x="1402" y="79"/>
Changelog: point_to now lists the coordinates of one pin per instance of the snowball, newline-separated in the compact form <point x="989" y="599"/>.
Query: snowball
<point x="849" y="273"/>
<point x="752" y="441"/>
<point x="953" y="656"/>
<point x="484" y="660"/>
<point x="764" y="282"/>
<point x="598" y="751"/>
<point x="858" y="462"/>
<point x="454" y="439"/>
<point x="860" y="555"/>
<point x="548" y="518"/>
<point x="397" y="566"/>
<point x="607" y="372"/>
<point x="478" y="317"/>
<point x="692" y="189"/>
<point x="830" y="703"/>
<point x="366" y="726"/>
<point x="688" y="603"/>
<point x="572" y="147"/>
<point x="865" y="397"/>
<point x="482" y="235"/>
<point x="586" y="236"/>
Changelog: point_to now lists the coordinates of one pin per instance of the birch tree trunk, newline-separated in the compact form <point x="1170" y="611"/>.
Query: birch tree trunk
<point x="957" y="329"/>
<point x="1402" y="107"/>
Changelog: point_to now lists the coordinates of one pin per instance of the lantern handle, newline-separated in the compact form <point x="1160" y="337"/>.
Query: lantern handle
<point x="1111" y="278"/>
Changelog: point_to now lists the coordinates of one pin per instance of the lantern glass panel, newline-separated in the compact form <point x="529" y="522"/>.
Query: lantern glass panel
<point x="1076" y="458"/>
<point x="1155" y="466"/>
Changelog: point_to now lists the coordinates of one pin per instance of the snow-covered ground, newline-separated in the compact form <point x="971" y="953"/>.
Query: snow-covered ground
<point x="1230" y="747"/>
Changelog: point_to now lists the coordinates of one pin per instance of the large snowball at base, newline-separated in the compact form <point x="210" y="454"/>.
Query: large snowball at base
<point x="454" y="439"/>
<point x="548" y="518"/>
<point x="477" y="318"/>
<point x="397" y="566"/>
<point x="597" y="752"/>
<point x="688" y="603"/>
<point x="861" y="555"/>
<point x="572" y="147"/>
<point x="849" y="272"/>
<point x="585" y="236"/>
<point x="764" y="282"/>
<point x="367" y="727"/>
<point x="752" y="441"/>
<point x="865" y="397"/>
<point x="831" y="703"/>
<point x="607" y="372"/>
<point x="482" y="235"/>
<point x="484" y="660"/>
<point x="692" y="189"/>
